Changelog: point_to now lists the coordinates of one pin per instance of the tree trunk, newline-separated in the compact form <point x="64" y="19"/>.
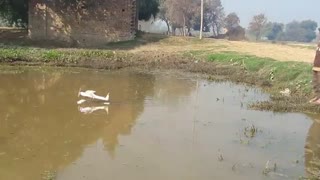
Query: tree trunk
<point x="189" y="31"/>
<point x="181" y="31"/>
<point x="184" y="25"/>
<point x="218" y="28"/>
<point x="214" y="31"/>
<point x="168" y="26"/>
<point x="174" y="30"/>
<point x="258" y="35"/>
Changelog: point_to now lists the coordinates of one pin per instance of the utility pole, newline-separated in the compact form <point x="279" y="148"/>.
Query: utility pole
<point x="201" y="25"/>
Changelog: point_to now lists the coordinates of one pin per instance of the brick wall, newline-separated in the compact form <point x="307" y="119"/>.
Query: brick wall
<point x="87" y="23"/>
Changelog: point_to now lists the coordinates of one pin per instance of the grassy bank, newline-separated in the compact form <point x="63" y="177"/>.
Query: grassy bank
<point x="25" y="54"/>
<point x="274" y="76"/>
<point x="213" y="58"/>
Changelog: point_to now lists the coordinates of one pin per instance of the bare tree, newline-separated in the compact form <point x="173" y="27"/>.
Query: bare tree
<point x="163" y="14"/>
<point x="257" y="25"/>
<point x="214" y="13"/>
<point x="185" y="14"/>
<point x="181" y="12"/>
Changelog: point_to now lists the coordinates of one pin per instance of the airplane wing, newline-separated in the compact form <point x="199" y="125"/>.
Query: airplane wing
<point x="90" y="92"/>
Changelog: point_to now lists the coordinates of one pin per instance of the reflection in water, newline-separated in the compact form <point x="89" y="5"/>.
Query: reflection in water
<point x="41" y="127"/>
<point x="312" y="148"/>
<point x="89" y="110"/>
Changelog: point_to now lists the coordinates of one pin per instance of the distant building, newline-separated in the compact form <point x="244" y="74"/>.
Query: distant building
<point x="88" y="23"/>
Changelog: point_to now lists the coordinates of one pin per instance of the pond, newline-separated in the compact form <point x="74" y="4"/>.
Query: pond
<point x="158" y="125"/>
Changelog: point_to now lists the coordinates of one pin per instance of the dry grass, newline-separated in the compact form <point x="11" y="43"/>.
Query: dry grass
<point x="285" y="52"/>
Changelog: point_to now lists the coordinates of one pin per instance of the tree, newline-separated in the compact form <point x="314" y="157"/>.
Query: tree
<point x="173" y="14"/>
<point x="274" y="30"/>
<point x="181" y="13"/>
<point x="163" y="10"/>
<point x="236" y="33"/>
<point x="214" y="15"/>
<point x="148" y="9"/>
<point x="301" y="31"/>
<point x="3" y="22"/>
<point x="309" y="25"/>
<point x="257" y="24"/>
<point x="232" y="21"/>
<point x="196" y="24"/>
<point x="14" y="12"/>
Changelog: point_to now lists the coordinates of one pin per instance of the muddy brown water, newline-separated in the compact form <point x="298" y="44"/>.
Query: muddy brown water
<point x="158" y="126"/>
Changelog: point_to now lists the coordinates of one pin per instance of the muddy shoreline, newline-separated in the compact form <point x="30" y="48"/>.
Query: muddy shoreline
<point x="213" y="71"/>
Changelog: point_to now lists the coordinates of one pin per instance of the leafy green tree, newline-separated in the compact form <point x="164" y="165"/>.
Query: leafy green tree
<point x="148" y="9"/>
<point x="236" y="33"/>
<point x="196" y="21"/>
<point x="274" y="30"/>
<point x="231" y="21"/>
<point x="304" y="31"/>
<point x="309" y="25"/>
<point x="14" y="12"/>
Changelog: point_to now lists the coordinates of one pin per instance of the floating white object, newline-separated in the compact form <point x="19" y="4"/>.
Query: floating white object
<point x="101" y="97"/>
<point x="89" y="110"/>
<point x="88" y="93"/>
<point x="91" y="94"/>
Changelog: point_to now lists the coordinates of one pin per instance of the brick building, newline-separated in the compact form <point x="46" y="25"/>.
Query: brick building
<point x="82" y="22"/>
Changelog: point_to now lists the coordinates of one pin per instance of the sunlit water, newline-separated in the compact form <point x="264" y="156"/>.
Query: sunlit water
<point x="158" y="126"/>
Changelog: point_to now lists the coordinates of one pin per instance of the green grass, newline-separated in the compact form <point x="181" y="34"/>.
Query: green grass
<point x="290" y="74"/>
<point x="51" y="55"/>
<point x="279" y="75"/>
<point x="29" y="54"/>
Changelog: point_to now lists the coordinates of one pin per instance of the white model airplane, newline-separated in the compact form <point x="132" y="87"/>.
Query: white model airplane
<point x="91" y="94"/>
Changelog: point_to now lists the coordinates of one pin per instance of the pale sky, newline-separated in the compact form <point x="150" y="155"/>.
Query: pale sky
<point x="276" y="10"/>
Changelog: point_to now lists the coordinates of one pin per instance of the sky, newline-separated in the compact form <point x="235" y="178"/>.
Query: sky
<point x="283" y="11"/>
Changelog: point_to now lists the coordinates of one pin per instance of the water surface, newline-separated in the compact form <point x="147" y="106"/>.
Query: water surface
<point x="158" y="126"/>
